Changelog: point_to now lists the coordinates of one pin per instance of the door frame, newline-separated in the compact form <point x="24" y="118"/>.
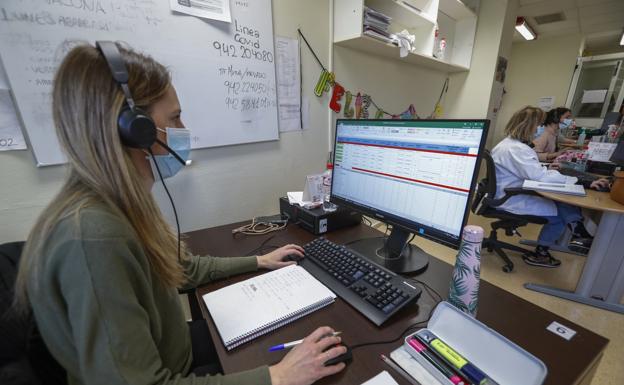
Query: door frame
<point x="575" y="78"/>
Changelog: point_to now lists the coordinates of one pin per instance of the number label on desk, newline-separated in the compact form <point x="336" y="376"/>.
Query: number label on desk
<point x="561" y="331"/>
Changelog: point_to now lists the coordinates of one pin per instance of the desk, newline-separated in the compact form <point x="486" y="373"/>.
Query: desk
<point x="602" y="281"/>
<point x="572" y="362"/>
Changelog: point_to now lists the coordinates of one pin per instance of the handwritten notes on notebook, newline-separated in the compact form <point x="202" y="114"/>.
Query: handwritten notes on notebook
<point x="246" y="310"/>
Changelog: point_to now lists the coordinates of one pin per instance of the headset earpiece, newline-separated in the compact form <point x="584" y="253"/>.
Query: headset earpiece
<point x="136" y="128"/>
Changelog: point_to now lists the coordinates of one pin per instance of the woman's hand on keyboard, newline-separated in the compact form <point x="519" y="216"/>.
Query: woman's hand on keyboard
<point x="277" y="258"/>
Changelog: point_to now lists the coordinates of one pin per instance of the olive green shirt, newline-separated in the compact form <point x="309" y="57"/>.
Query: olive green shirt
<point x="107" y="318"/>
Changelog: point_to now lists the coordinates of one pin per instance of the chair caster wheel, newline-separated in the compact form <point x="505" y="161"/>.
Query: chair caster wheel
<point x="508" y="268"/>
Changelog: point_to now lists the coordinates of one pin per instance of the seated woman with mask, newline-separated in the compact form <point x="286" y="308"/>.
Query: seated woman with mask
<point x="101" y="267"/>
<point x="566" y="123"/>
<point x="545" y="145"/>
<point x="515" y="162"/>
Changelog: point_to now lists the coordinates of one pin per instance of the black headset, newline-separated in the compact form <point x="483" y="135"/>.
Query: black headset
<point x="136" y="128"/>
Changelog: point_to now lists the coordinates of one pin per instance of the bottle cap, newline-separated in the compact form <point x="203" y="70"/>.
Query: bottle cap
<point x="473" y="234"/>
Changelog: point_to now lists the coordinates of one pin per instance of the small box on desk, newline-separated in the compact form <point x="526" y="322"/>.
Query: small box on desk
<point x="318" y="221"/>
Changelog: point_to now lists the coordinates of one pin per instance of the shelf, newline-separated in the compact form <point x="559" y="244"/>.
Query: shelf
<point x="455" y="9"/>
<point x="456" y="22"/>
<point x="401" y="12"/>
<point x="379" y="48"/>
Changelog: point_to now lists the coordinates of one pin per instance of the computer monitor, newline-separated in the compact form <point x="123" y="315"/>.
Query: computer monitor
<point x="618" y="154"/>
<point x="415" y="175"/>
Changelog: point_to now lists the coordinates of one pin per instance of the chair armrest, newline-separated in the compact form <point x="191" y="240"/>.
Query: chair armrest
<point x="512" y="191"/>
<point x="509" y="192"/>
<point x="194" y="306"/>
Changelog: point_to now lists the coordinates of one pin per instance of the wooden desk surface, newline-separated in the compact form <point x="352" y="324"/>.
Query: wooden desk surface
<point x="594" y="200"/>
<point x="568" y="362"/>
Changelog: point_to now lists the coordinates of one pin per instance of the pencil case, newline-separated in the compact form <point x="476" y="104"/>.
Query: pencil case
<point x="502" y="360"/>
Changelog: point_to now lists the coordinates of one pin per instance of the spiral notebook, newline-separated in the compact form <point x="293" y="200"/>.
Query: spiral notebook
<point x="246" y="310"/>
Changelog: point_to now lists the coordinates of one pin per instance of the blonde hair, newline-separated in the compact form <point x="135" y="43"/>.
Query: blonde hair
<point x="86" y="102"/>
<point x="522" y="124"/>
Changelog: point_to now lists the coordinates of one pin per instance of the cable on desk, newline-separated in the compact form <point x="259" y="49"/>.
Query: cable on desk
<point x="258" y="228"/>
<point x="428" y="289"/>
<point x="382" y="236"/>
<point x="254" y="251"/>
<point x="415" y="326"/>
<point x="357" y="240"/>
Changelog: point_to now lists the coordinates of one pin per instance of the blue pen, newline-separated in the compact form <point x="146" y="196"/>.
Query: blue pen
<point x="294" y="343"/>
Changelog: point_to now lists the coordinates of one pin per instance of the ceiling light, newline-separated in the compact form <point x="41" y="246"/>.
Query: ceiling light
<point x="524" y="29"/>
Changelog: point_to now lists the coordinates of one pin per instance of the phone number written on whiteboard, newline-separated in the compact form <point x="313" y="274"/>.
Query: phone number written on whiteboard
<point x="246" y="45"/>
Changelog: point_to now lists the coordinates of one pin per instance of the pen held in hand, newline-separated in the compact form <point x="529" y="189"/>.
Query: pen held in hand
<point x="289" y="345"/>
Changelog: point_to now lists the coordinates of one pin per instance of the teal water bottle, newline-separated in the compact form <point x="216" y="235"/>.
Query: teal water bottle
<point x="581" y="138"/>
<point x="464" y="290"/>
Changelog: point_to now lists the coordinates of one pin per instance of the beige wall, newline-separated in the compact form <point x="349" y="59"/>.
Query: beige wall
<point x="543" y="67"/>
<point x="237" y="182"/>
<point x="392" y="84"/>
<point x="472" y="94"/>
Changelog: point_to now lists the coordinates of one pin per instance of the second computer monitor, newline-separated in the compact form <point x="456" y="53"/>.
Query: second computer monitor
<point x="416" y="175"/>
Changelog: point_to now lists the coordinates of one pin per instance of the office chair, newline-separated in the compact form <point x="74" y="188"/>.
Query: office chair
<point x="486" y="205"/>
<point x="24" y="358"/>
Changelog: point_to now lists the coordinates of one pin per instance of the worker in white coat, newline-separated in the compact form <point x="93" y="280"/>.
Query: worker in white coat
<point x="516" y="161"/>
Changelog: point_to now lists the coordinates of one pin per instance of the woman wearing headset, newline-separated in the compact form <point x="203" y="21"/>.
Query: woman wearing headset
<point x="100" y="269"/>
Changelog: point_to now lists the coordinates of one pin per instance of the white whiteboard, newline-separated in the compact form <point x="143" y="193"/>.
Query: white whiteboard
<point x="224" y="73"/>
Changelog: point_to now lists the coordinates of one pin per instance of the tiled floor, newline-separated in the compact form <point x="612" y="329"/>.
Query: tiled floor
<point x="605" y="323"/>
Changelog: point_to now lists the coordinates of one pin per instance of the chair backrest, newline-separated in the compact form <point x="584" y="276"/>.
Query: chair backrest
<point x="486" y="188"/>
<point x="24" y="358"/>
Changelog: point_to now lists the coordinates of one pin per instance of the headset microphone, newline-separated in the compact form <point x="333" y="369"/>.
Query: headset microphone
<point x="175" y="154"/>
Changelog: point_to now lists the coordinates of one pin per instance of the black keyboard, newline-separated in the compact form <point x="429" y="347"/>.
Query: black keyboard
<point x="581" y="175"/>
<point x="371" y="289"/>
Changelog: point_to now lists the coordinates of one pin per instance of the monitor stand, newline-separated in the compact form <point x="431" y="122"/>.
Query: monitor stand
<point x="393" y="252"/>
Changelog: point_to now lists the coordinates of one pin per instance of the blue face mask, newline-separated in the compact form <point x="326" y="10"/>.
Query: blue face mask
<point x="540" y="131"/>
<point x="565" y="123"/>
<point x="179" y="140"/>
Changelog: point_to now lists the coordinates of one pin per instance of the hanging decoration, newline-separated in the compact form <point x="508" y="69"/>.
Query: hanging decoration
<point x="324" y="82"/>
<point x="358" y="106"/>
<point x="363" y="102"/>
<point x="366" y="102"/>
<point x="437" y="109"/>
<point x="336" y="96"/>
<point x="348" y="111"/>
<point x="410" y="113"/>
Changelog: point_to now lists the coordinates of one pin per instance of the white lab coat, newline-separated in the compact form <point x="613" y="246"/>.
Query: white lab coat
<point x="515" y="162"/>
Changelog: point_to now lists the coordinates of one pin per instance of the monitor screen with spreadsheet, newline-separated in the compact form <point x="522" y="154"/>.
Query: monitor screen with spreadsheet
<point x="414" y="174"/>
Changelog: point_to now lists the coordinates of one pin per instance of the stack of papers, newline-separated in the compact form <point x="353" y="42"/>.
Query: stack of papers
<point x="561" y="188"/>
<point x="376" y="25"/>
